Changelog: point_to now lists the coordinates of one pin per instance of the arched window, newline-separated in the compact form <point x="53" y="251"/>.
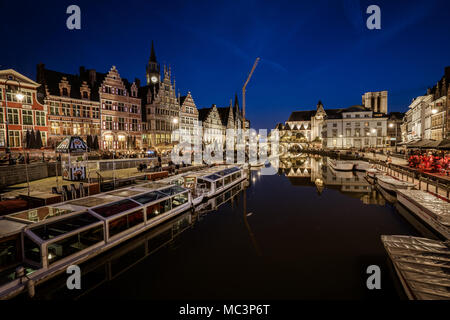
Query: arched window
<point x="65" y="92"/>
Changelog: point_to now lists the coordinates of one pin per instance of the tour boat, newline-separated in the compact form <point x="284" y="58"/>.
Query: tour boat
<point x="392" y="185"/>
<point x="421" y="265"/>
<point x="46" y="240"/>
<point x="340" y="165"/>
<point x="216" y="180"/>
<point x="432" y="210"/>
<point x="372" y="173"/>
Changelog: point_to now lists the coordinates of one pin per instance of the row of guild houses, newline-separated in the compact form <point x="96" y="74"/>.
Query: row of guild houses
<point x="121" y="115"/>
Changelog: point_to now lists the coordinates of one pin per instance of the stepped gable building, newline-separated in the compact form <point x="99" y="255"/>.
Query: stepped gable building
<point x="72" y="103"/>
<point x="23" y="107"/>
<point x="188" y="114"/>
<point x="213" y="128"/>
<point x="227" y="117"/>
<point x="121" y="119"/>
<point x="92" y="103"/>
<point x="160" y="104"/>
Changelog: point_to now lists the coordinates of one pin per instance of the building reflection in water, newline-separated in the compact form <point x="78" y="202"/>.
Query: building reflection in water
<point x="311" y="170"/>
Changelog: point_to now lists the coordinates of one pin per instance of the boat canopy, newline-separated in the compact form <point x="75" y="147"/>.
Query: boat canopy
<point x="111" y="209"/>
<point x="421" y="264"/>
<point x="38" y="214"/>
<point x="58" y="228"/>
<point x="219" y="174"/>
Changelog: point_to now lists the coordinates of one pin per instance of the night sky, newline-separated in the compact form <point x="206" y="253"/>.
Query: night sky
<point x="309" y="50"/>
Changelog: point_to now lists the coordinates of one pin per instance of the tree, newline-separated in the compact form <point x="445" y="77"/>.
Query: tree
<point x="32" y="144"/>
<point x="38" y="140"/>
<point x="89" y="142"/>
<point x="27" y="140"/>
<point x="95" y="143"/>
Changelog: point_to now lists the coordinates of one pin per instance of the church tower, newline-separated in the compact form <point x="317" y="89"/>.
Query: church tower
<point x="153" y="69"/>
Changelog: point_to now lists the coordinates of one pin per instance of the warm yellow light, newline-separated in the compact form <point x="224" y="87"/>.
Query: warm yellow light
<point x="391" y="125"/>
<point x="434" y="111"/>
<point x="373" y="130"/>
<point x="19" y="96"/>
<point x="175" y="120"/>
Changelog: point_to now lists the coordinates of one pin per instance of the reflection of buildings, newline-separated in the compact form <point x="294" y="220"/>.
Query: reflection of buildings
<point x="312" y="171"/>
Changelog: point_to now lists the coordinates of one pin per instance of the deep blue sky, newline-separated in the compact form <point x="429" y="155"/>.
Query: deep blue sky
<point x="309" y="50"/>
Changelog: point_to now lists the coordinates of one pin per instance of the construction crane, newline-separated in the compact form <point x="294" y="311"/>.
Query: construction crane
<point x="243" y="93"/>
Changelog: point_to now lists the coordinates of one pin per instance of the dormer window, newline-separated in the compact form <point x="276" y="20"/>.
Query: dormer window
<point x="65" y="92"/>
<point x="85" y="95"/>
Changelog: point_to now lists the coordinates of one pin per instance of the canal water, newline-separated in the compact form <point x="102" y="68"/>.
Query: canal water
<point x="305" y="233"/>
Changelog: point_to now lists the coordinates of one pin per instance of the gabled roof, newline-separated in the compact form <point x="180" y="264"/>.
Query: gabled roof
<point x="203" y="113"/>
<point x="302" y="115"/>
<point x="224" y="114"/>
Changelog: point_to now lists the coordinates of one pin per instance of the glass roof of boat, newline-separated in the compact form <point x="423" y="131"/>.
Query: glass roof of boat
<point x="173" y="190"/>
<point x="90" y="201"/>
<point x="114" y="208"/>
<point x="54" y="229"/>
<point x="228" y="171"/>
<point x="213" y="177"/>
<point x="38" y="214"/>
<point x="154" y="185"/>
<point x="125" y="193"/>
<point x="149" y="197"/>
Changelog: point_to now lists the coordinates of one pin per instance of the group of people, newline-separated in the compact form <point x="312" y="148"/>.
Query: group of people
<point x="429" y="162"/>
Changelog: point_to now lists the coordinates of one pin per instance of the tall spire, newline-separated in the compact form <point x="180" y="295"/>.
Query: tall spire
<point x="236" y="105"/>
<point x="152" y="54"/>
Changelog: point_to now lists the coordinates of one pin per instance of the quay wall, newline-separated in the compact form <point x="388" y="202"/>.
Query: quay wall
<point x="15" y="174"/>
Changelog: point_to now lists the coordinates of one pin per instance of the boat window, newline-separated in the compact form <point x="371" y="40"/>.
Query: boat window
<point x="73" y="244"/>
<point x="204" y="184"/>
<point x="149" y="197"/>
<point x="39" y="214"/>
<point x="114" y="208"/>
<point x="57" y="228"/>
<point x="180" y="199"/>
<point x="172" y="190"/>
<point x="158" y="208"/>
<point x="123" y="223"/>
<point x="10" y="251"/>
<point x="32" y="250"/>
<point x="219" y="184"/>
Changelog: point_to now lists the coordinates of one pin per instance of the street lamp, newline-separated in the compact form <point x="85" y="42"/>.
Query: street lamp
<point x="434" y="111"/>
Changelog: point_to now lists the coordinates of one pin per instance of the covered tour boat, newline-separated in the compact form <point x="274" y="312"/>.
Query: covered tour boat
<point x="429" y="208"/>
<point x="422" y="265"/>
<point x="392" y="185"/>
<point x="43" y="242"/>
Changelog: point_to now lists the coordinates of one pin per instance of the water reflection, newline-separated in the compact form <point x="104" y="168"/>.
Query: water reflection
<point x="307" y="170"/>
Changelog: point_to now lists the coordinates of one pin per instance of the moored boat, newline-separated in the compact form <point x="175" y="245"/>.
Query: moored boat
<point x="372" y="173"/>
<point x="432" y="210"/>
<point x="361" y="165"/>
<point x="46" y="240"/>
<point x="422" y="265"/>
<point x="391" y="185"/>
<point x="340" y="165"/>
